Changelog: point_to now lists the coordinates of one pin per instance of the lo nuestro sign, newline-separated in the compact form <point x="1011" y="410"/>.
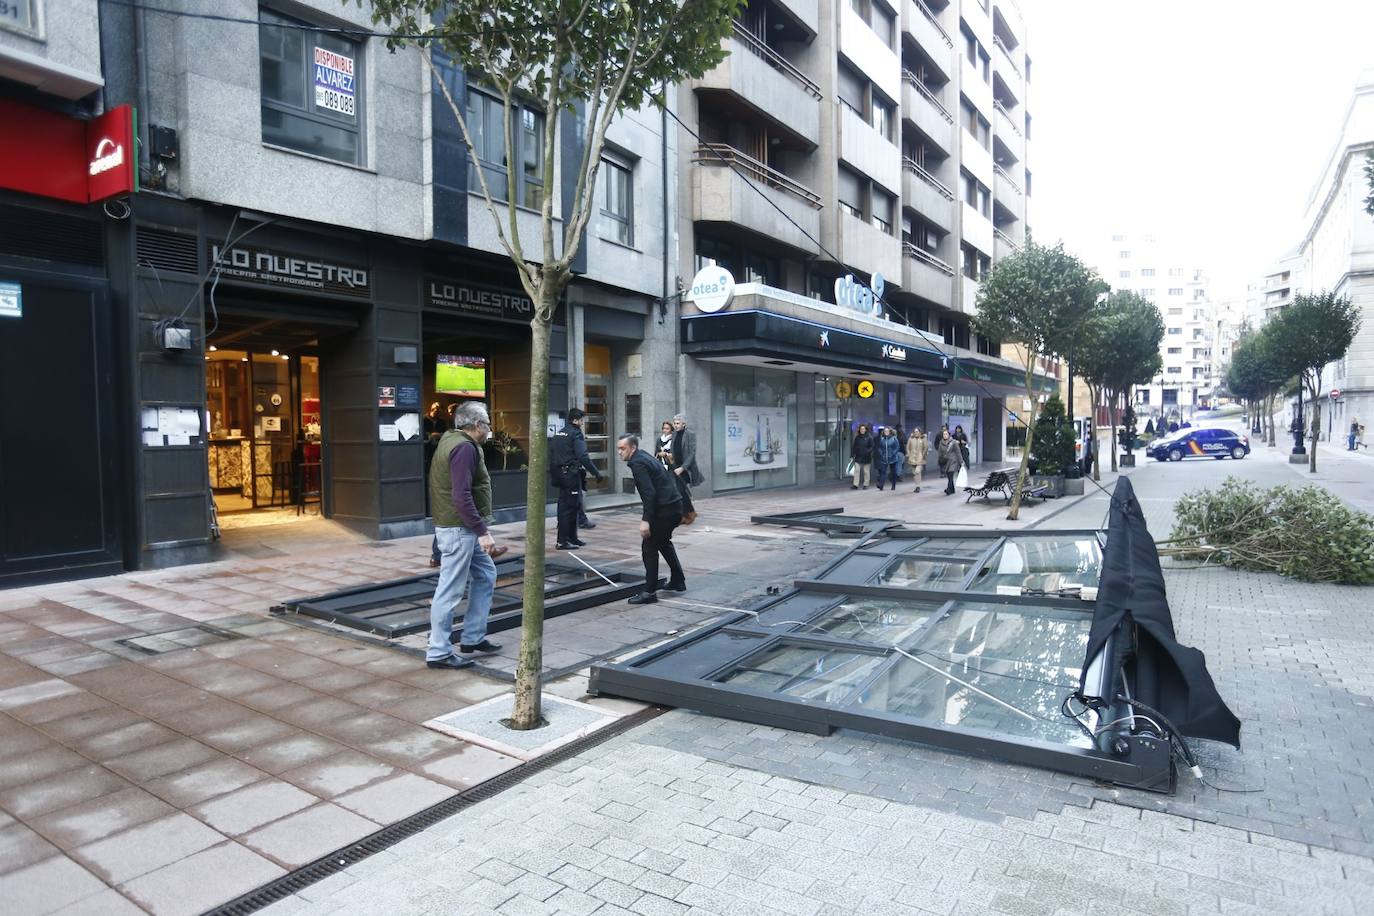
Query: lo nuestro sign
<point x="57" y="156"/>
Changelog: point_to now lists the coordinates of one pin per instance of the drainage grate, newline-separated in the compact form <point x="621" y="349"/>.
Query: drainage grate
<point x="387" y="837"/>
<point x="185" y="638"/>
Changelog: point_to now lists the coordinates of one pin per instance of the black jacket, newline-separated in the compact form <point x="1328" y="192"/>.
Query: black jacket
<point x="568" y="455"/>
<point x="862" y="449"/>
<point x="656" y="488"/>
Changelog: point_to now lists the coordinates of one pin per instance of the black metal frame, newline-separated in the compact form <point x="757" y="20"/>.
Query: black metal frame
<point x="684" y="672"/>
<point x="807" y="519"/>
<point x="408" y="600"/>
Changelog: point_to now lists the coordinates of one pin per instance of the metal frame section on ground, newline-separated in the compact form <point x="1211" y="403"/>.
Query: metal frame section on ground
<point x="989" y="643"/>
<point x="400" y="607"/>
<point x="831" y="521"/>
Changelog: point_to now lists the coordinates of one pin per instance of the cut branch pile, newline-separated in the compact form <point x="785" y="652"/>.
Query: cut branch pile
<point x="1304" y="533"/>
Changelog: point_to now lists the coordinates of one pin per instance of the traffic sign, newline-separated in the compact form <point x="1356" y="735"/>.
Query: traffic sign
<point x="1335" y="393"/>
<point x="865" y="389"/>
<point x="843" y="389"/>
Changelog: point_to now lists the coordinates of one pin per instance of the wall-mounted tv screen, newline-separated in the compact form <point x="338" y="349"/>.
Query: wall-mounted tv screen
<point x="463" y="376"/>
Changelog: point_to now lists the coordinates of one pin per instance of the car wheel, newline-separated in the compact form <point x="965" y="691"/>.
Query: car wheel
<point x="1238" y="452"/>
<point x="1175" y="454"/>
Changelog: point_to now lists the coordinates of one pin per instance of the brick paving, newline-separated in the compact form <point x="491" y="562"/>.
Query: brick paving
<point x="690" y="814"/>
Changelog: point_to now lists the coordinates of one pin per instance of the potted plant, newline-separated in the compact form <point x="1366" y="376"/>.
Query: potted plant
<point x="1054" y="450"/>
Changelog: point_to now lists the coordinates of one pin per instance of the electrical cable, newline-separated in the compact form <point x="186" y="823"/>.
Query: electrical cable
<point x="344" y="32"/>
<point x="751" y="183"/>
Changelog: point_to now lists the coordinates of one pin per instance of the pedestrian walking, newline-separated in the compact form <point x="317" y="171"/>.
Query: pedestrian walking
<point x="460" y="499"/>
<point x="665" y="444"/>
<point x="662" y="513"/>
<point x="951" y="459"/>
<point x="1354" y="436"/>
<point x="962" y="438"/>
<point x="568" y="460"/>
<point x="887" y="455"/>
<point x="861" y="451"/>
<point x="917" y="447"/>
<point x="686" y="474"/>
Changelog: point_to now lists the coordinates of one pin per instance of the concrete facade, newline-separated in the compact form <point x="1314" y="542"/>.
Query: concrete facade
<point x="54" y="49"/>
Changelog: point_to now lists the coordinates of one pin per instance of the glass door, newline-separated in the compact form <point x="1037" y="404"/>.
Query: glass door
<point x="274" y="407"/>
<point x="596" y="427"/>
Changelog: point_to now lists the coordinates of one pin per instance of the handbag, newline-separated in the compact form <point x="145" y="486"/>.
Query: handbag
<point x="849" y="468"/>
<point x="961" y="479"/>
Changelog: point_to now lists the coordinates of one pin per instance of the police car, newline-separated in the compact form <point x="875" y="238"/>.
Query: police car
<point x="1199" y="443"/>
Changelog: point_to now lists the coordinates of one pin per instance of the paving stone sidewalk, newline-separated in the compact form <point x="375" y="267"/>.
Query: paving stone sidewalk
<point x="691" y="814"/>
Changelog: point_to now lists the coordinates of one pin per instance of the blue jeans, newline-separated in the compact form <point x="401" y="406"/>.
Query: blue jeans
<point x="460" y="560"/>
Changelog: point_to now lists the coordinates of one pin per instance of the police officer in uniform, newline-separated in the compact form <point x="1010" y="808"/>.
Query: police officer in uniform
<point x="568" y="460"/>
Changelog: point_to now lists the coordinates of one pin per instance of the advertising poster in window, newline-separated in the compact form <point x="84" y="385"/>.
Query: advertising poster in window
<point x="334" y="89"/>
<point x="755" y="438"/>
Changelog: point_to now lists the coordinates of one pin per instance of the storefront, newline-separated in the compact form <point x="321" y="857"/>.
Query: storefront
<point x="63" y="439"/>
<point x="791" y="379"/>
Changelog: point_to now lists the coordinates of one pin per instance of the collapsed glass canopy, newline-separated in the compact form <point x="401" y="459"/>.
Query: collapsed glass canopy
<point x="971" y="641"/>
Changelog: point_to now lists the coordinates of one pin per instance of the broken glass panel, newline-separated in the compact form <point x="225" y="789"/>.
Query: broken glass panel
<point x="1044" y="563"/>
<point x="828" y="675"/>
<point x="918" y="572"/>
<point x="883" y="621"/>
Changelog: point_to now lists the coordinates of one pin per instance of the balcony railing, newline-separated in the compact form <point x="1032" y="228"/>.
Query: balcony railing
<point x="1007" y="114"/>
<point x="775" y="60"/>
<point x="930" y="96"/>
<point x="910" y="165"/>
<point x="997" y="169"/>
<point x="1011" y="60"/>
<point x="726" y="155"/>
<point x="911" y="250"/>
<point x="930" y="15"/>
<point x="1005" y="239"/>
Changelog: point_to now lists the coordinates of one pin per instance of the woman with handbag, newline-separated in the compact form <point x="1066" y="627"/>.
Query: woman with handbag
<point x="951" y="459"/>
<point x="862" y="452"/>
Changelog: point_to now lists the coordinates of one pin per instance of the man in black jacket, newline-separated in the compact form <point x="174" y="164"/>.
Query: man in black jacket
<point x="568" y="460"/>
<point x="662" y="514"/>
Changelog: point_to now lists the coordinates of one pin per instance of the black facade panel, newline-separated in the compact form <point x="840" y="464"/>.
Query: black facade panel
<point x="171" y="379"/>
<point x="450" y="157"/>
<point x="572" y="141"/>
<point x="179" y="471"/>
<point x="612" y="323"/>
<point x="402" y="461"/>
<point x="402" y="500"/>
<point x="59" y="432"/>
<point x="399" y="325"/>
<point x="177" y="518"/>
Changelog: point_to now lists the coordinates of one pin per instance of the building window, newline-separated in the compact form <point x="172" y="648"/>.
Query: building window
<point x="486" y="125"/>
<point x="1175" y="351"/>
<point x="883" y="206"/>
<point x="976" y="195"/>
<point x="1142" y="395"/>
<point x="882" y="118"/>
<point x="1176" y="310"/>
<point x="1124" y="254"/>
<point x="850" y="191"/>
<point x="311" y="89"/>
<point x="617" y="202"/>
<point x="1176" y="291"/>
<point x="716" y="251"/>
<point x="1123" y="275"/>
<point x="975" y="264"/>
<point x="1175" y="330"/>
<point x="851" y="89"/>
<point x="1175" y="370"/>
<point x="1148" y="293"/>
<point x="1175" y="271"/>
<point x="1147" y="271"/>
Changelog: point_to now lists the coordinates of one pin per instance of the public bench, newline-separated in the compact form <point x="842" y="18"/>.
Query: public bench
<point x="996" y="482"/>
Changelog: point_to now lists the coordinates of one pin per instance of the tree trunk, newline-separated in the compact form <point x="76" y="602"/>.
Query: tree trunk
<point x="1025" y="465"/>
<point x="1316" y="430"/>
<point x="1112" y="400"/>
<point x="1269" y="405"/>
<point x="528" y="673"/>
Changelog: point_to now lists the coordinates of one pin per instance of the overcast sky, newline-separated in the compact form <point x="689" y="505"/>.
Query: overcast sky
<point x="1206" y="122"/>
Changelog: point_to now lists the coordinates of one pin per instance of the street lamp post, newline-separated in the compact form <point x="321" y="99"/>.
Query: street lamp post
<point x="1299" y="424"/>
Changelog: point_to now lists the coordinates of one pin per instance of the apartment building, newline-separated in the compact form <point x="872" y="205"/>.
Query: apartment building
<point x="851" y="172"/>
<point x="298" y="267"/>
<point x="1142" y="264"/>
<point x="1336" y="254"/>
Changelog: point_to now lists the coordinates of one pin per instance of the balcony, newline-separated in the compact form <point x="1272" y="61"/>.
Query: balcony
<point x="1007" y="194"/>
<point x="920" y="22"/>
<point x="867" y="52"/>
<point x="927" y="276"/>
<point x="1004" y="62"/>
<point x="867" y="248"/>
<point x="729" y="186"/>
<point x="807" y="12"/>
<point x="1007" y="130"/>
<point x="968" y="295"/>
<point x="924" y="193"/>
<point x="977" y="230"/>
<point x="768" y="83"/>
<point x="1003" y="245"/>
<point x="927" y="113"/>
<point x="869" y="151"/>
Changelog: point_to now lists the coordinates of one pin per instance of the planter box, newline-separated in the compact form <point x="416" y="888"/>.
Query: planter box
<point x="1055" y="483"/>
<point x="1127" y="461"/>
<point x="1071" y="487"/>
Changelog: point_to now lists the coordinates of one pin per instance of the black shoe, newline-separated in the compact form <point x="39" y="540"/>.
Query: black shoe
<point x="853" y="486"/>
<point x="433" y="563"/>
<point x="452" y="661"/>
<point x="643" y="598"/>
<point x="485" y="645"/>
<point x="588" y="524"/>
<point x="880" y="486"/>
<point x="561" y="546"/>
<point x="675" y="586"/>
<point x="579" y="542"/>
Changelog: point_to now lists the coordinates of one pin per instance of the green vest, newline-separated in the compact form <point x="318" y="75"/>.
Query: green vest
<point x="441" y="482"/>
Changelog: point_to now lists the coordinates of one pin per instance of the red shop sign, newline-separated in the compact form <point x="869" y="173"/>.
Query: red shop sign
<point x="53" y="155"/>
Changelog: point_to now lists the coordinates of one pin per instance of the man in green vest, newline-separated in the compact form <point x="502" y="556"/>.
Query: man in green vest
<point x="460" y="498"/>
